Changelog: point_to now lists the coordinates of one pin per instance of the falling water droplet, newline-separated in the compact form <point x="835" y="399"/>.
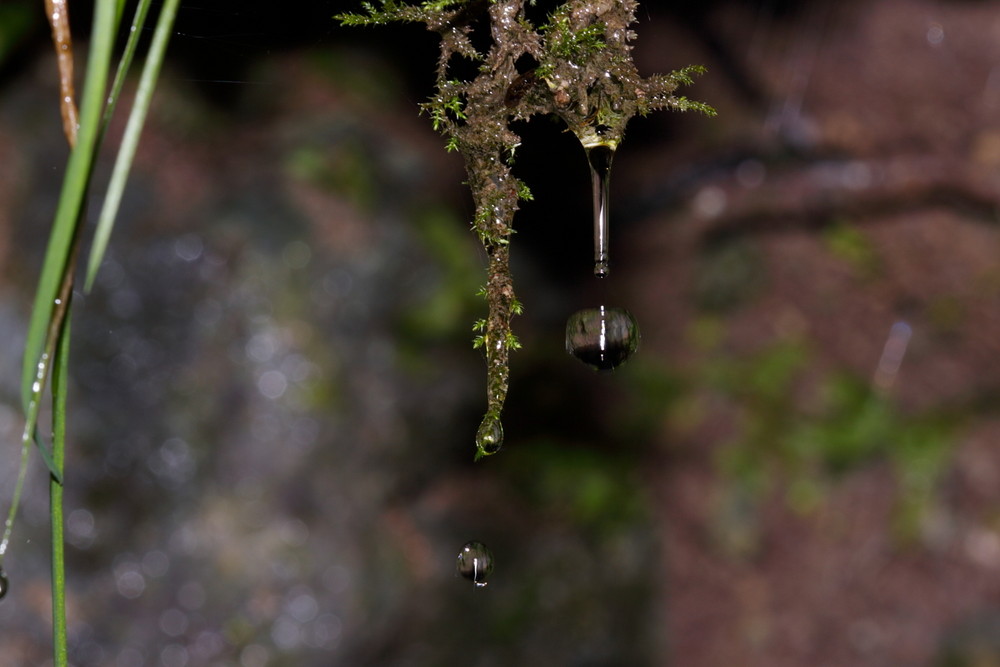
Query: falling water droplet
<point x="603" y="338"/>
<point x="4" y="584"/>
<point x="475" y="562"/>
<point x="489" y="437"/>
<point x="599" y="157"/>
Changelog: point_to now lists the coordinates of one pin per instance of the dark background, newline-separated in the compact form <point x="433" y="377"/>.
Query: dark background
<point x="274" y="392"/>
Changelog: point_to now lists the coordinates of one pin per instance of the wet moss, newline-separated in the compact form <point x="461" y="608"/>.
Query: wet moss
<point x="576" y="65"/>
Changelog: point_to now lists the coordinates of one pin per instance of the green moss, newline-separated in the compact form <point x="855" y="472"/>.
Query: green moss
<point x="843" y="424"/>
<point x="564" y="43"/>
<point x="585" y="486"/>
<point x="440" y="313"/>
<point x="585" y="75"/>
<point x="848" y="243"/>
<point x="728" y="276"/>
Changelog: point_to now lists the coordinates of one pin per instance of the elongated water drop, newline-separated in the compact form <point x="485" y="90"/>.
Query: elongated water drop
<point x="599" y="158"/>
<point x="489" y="437"/>
<point x="602" y="337"/>
<point x="475" y="562"/>
<point x="4" y="584"/>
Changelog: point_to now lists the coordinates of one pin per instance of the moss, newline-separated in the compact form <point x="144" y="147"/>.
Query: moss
<point x="584" y="74"/>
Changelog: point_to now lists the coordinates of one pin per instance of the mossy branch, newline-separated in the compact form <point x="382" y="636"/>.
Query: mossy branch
<point x="582" y="71"/>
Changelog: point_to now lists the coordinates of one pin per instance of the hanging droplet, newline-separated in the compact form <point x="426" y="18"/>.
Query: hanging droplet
<point x="4" y="584"/>
<point x="599" y="157"/>
<point x="602" y="337"/>
<point x="475" y="562"/>
<point x="489" y="437"/>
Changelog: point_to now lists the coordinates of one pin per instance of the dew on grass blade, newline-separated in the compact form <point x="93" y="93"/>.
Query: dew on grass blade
<point x="475" y="562"/>
<point x="603" y="338"/>
<point x="4" y="584"/>
<point x="489" y="437"/>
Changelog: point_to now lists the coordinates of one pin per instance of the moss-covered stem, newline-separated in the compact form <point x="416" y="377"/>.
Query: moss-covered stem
<point x="577" y="65"/>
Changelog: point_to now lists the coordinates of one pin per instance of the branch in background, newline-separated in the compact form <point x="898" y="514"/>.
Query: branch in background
<point x="827" y="190"/>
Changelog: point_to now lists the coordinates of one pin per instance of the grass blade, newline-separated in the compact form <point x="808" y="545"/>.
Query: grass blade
<point x="56" y="279"/>
<point x="71" y="203"/>
<point x="130" y="140"/>
<point x="60" y="379"/>
<point x="138" y="22"/>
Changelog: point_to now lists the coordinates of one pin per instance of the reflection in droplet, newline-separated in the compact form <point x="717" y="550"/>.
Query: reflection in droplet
<point x="4" y="584"/>
<point x="489" y="437"/>
<point x="475" y="562"/>
<point x="599" y="158"/>
<point x="601" y="337"/>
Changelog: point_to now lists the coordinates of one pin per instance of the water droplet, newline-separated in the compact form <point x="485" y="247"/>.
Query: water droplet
<point x="489" y="437"/>
<point x="4" y="584"/>
<point x="599" y="157"/>
<point x="602" y="337"/>
<point x="475" y="562"/>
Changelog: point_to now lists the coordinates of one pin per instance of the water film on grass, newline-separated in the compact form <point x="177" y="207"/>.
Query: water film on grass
<point x="603" y="338"/>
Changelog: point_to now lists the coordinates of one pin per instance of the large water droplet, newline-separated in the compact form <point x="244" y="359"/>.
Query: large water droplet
<point x="602" y="337"/>
<point x="475" y="562"/>
<point x="489" y="437"/>
<point x="4" y="584"/>
<point x="599" y="158"/>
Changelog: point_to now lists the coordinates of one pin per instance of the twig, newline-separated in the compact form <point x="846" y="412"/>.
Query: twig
<point x="58" y="14"/>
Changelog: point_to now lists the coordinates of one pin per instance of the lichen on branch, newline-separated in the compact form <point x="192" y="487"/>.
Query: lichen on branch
<point x="576" y="65"/>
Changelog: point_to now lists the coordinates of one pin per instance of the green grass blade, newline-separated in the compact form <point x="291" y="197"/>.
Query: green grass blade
<point x="69" y="212"/>
<point x="138" y="22"/>
<point x="47" y="458"/>
<point x="60" y="379"/>
<point x="130" y="140"/>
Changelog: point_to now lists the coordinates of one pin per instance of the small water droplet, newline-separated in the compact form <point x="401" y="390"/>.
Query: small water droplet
<point x="603" y="338"/>
<point x="489" y="437"/>
<point x="475" y="562"/>
<point x="600" y="157"/>
<point x="4" y="584"/>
